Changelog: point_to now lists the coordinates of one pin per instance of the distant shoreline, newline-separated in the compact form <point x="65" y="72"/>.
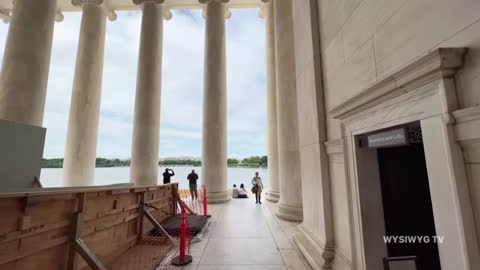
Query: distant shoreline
<point x="251" y="162"/>
<point x="175" y="166"/>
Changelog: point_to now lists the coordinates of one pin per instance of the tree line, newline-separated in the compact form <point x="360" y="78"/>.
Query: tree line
<point x="99" y="163"/>
<point x="253" y="162"/>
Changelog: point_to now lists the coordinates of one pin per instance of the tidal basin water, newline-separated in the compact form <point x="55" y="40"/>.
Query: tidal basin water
<point x="116" y="175"/>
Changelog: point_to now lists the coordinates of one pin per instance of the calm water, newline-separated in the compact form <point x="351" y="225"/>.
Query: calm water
<point x="116" y="175"/>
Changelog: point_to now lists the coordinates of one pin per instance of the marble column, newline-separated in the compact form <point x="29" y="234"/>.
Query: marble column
<point x="214" y="151"/>
<point x="81" y="145"/>
<point x="272" y="137"/>
<point x="146" y="127"/>
<point x="290" y="204"/>
<point x="26" y="61"/>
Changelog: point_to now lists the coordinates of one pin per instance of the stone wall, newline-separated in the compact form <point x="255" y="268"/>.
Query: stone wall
<point x="361" y="42"/>
<point x="315" y="235"/>
<point x="365" y="41"/>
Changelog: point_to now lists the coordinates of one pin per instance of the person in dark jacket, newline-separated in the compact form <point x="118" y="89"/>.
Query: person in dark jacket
<point x="192" y="184"/>
<point x="167" y="175"/>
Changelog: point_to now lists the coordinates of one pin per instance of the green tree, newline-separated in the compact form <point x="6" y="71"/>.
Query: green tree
<point x="254" y="161"/>
<point x="52" y="163"/>
<point x="180" y="162"/>
<point x="233" y="162"/>
<point x="264" y="161"/>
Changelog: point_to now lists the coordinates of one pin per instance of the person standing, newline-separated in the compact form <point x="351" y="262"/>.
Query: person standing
<point x="192" y="179"/>
<point x="258" y="185"/>
<point x="167" y="175"/>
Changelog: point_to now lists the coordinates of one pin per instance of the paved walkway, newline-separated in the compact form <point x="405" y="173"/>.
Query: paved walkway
<point x="245" y="235"/>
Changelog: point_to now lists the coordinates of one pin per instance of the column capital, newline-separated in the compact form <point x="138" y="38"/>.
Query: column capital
<point x="139" y="2"/>
<point x="59" y="16"/>
<point x="81" y="2"/>
<point x="109" y="12"/>
<point x="5" y="15"/>
<point x="228" y="12"/>
<point x="167" y="14"/>
<point x="261" y="11"/>
<point x="206" y="1"/>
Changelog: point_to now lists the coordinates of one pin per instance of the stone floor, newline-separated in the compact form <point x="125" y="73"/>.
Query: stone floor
<point x="244" y="235"/>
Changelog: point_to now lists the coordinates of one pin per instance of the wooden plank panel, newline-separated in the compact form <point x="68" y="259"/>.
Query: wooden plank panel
<point x="37" y="227"/>
<point x="54" y="258"/>
<point x="49" y="212"/>
<point x="8" y="266"/>
<point x="11" y="209"/>
<point x="88" y="256"/>
<point x="8" y="251"/>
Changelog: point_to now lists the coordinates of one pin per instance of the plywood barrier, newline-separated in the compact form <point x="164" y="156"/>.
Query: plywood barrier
<point x="52" y="229"/>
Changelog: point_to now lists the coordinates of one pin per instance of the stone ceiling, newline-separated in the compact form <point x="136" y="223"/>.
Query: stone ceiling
<point x="118" y="5"/>
<point x="66" y="5"/>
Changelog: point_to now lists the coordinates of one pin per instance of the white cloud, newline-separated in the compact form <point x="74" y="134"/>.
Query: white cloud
<point x="182" y="84"/>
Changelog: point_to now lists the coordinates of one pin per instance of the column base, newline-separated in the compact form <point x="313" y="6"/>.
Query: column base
<point x="318" y="255"/>
<point x="218" y="197"/>
<point x="273" y="196"/>
<point x="290" y="213"/>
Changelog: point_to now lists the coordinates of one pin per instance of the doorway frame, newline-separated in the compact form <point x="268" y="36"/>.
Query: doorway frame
<point x="423" y="91"/>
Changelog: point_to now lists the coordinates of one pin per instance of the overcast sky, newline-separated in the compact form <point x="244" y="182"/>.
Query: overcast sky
<point x="181" y="116"/>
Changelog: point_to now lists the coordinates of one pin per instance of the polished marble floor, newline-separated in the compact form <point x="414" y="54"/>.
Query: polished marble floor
<point x="244" y="235"/>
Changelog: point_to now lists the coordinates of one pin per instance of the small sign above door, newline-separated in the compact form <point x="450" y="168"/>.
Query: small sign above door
<point x="390" y="138"/>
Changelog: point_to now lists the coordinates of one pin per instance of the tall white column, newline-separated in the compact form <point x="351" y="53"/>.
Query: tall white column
<point x="81" y="146"/>
<point x="272" y="137"/>
<point x="146" y="127"/>
<point x="290" y="204"/>
<point x="214" y="152"/>
<point x="26" y="61"/>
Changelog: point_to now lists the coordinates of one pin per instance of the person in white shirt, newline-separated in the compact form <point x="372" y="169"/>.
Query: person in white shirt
<point x="235" y="192"/>
<point x="258" y="187"/>
<point x="242" y="192"/>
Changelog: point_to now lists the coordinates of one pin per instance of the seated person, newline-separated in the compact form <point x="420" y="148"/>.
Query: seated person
<point x="235" y="191"/>
<point x="242" y="192"/>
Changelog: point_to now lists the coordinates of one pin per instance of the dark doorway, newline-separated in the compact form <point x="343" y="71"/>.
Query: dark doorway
<point x="407" y="204"/>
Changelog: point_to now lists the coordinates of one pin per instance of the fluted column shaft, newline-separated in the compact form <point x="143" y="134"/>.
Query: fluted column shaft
<point x="81" y="145"/>
<point x="214" y="151"/>
<point x="146" y="128"/>
<point x="26" y="61"/>
<point x="290" y="204"/>
<point x="272" y="137"/>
